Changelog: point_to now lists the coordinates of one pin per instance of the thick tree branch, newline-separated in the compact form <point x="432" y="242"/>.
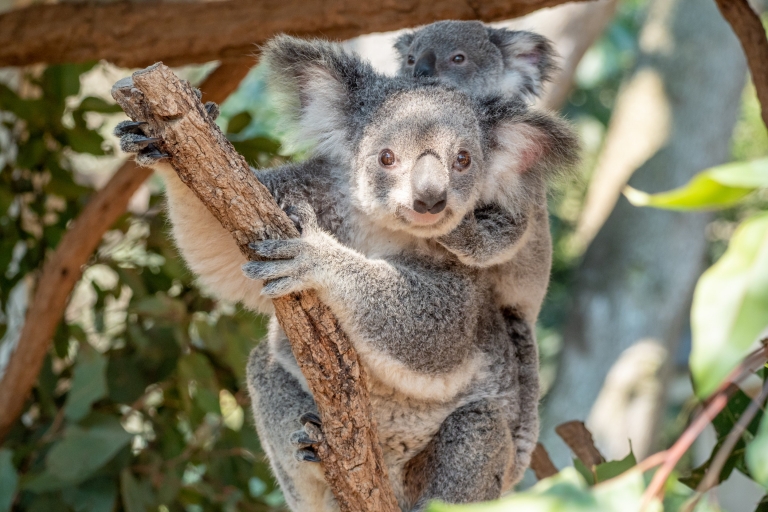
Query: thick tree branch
<point x="750" y="31"/>
<point x="136" y="34"/>
<point x="222" y="180"/>
<point x="64" y="267"/>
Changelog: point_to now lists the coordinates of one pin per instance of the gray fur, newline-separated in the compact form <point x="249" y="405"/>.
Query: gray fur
<point x="442" y="357"/>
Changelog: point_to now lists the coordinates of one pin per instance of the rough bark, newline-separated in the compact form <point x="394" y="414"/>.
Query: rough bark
<point x="64" y="267"/>
<point x="637" y="277"/>
<point x="751" y="33"/>
<point x="147" y="32"/>
<point x="220" y="177"/>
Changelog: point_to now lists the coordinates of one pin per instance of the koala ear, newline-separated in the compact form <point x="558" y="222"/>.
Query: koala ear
<point x="534" y="145"/>
<point x="317" y="84"/>
<point x="529" y="59"/>
<point x="403" y="44"/>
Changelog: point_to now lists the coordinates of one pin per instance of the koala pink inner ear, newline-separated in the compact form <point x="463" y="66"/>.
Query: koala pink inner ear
<point x="531" y="57"/>
<point x="523" y="145"/>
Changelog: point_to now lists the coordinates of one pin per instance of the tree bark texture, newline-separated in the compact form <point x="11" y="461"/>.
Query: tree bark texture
<point x="136" y="34"/>
<point x="637" y="277"/>
<point x="64" y="268"/>
<point x="750" y="31"/>
<point x="220" y="177"/>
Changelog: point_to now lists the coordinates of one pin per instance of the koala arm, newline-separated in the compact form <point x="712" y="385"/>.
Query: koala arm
<point x="487" y="236"/>
<point x="407" y="316"/>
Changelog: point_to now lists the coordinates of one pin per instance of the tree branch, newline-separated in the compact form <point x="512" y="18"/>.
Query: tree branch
<point x="750" y="31"/>
<point x="148" y="32"/>
<point x="64" y="267"/>
<point x="207" y="163"/>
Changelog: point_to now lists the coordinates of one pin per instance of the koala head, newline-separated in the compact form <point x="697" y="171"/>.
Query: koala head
<point x="478" y="58"/>
<point x="418" y="154"/>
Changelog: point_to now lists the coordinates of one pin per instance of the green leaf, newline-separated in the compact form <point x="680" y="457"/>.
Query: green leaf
<point x="239" y="122"/>
<point x="253" y="149"/>
<point x="757" y="455"/>
<point x="97" y="495"/>
<point x="8" y="480"/>
<point x="89" y="383"/>
<point x="763" y="505"/>
<point x="83" y="140"/>
<point x="718" y="187"/>
<point x="614" y="468"/>
<point x="85" y="449"/>
<point x="730" y="306"/>
<point x="584" y="471"/>
<point x="137" y="494"/>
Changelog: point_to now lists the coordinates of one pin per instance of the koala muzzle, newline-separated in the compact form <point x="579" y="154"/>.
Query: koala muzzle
<point x="425" y="66"/>
<point x="431" y="202"/>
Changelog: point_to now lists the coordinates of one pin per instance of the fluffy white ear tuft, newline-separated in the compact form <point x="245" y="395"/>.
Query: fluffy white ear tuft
<point x="529" y="60"/>
<point x="527" y="151"/>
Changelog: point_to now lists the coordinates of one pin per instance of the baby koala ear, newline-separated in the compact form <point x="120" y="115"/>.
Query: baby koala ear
<point x="403" y="44"/>
<point x="316" y="83"/>
<point x="529" y="60"/>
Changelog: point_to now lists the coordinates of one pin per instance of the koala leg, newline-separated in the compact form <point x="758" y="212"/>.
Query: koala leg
<point x="279" y="404"/>
<point x="469" y="459"/>
<point x="526" y="431"/>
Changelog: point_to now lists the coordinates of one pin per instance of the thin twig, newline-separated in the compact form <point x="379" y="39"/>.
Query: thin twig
<point x="715" y="468"/>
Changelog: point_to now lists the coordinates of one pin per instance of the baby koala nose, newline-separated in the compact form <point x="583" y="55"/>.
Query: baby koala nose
<point x="425" y="66"/>
<point x="430" y="203"/>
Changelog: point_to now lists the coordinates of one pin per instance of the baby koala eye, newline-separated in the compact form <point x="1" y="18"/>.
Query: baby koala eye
<point x="387" y="158"/>
<point x="458" y="58"/>
<point x="463" y="160"/>
<point x="411" y="60"/>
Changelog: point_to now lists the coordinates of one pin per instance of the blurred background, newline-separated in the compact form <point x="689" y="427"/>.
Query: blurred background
<point x="140" y="403"/>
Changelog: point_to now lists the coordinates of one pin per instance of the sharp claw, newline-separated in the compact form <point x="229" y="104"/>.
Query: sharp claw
<point x="133" y="143"/>
<point x="156" y="154"/>
<point x="212" y="109"/>
<point x="307" y="455"/>
<point x="126" y="127"/>
<point x="310" y="417"/>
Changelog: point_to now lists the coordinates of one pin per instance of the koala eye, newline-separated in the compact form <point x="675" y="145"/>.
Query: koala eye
<point x="387" y="158"/>
<point x="462" y="162"/>
<point x="458" y="58"/>
<point x="411" y="60"/>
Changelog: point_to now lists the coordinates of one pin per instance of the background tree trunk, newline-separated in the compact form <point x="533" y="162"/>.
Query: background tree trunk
<point x="637" y="277"/>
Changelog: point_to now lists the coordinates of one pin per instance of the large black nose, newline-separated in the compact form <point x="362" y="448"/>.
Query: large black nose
<point x="425" y="66"/>
<point x="432" y="203"/>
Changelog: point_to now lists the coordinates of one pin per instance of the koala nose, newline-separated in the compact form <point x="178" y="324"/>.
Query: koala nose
<point x="432" y="203"/>
<point x="425" y="66"/>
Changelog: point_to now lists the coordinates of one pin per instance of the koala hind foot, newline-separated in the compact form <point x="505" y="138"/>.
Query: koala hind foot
<point x="305" y="439"/>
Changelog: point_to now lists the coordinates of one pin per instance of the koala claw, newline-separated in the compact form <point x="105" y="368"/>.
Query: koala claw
<point x="304" y="439"/>
<point x="151" y="157"/>
<point x="212" y="109"/>
<point x="134" y="142"/>
<point x="307" y="455"/>
<point x="310" y="417"/>
<point x="125" y="127"/>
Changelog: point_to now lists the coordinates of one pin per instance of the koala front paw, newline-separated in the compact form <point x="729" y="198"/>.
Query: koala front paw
<point x="306" y="439"/>
<point x="133" y="139"/>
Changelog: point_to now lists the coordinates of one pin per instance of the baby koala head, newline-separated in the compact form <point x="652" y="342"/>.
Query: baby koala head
<point x="477" y="58"/>
<point x="418" y="155"/>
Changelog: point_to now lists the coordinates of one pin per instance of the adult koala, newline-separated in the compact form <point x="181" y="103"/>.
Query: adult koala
<point x="441" y="357"/>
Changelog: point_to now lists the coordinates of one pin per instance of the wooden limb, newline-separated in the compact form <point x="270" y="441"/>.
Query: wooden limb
<point x="750" y="31"/>
<point x="207" y="163"/>
<point x="64" y="267"/>
<point x="204" y="31"/>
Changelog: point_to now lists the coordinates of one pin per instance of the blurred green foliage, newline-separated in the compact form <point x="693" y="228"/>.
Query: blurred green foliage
<point x="141" y="403"/>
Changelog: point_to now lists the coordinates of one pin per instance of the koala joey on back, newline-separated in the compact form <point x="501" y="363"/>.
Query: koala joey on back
<point x="397" y="164"/>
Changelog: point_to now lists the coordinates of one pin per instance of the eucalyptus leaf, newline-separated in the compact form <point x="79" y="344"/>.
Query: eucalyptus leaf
<point x="8" y="479"/>
<point x="614" y="468"/>
<point x="757" y="454"/>
<point x="83" y="450"/>
<point x="89" y="383"/>
<point x="718" y="187"/>
<point x="137" y="494"/>
<point x="730" y="306"/>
